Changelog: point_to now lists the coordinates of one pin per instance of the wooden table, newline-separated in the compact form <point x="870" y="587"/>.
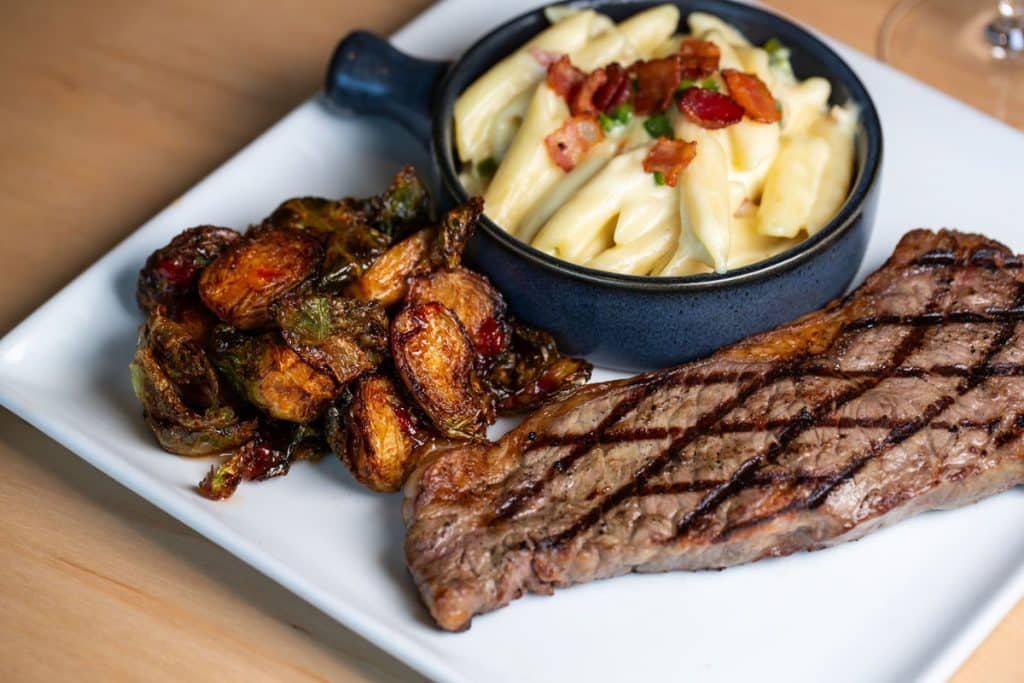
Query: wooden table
<point x="110" y="110"/>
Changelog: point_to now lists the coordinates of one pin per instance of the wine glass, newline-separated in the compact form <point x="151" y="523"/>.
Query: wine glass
<point x="972" y="49"/>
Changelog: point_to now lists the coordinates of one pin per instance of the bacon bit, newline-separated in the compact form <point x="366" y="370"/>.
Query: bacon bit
<point x="656" y="83"/>
<point x="615" y="91"/>
<point x="564" y="78"/>
<point x="700" y="58"/>
<point x="753" y="95"/>
<point x="582" y="101"/>
<point x="710" y="109"/>
<point x="569" y="144"/>
<point x="669" y="157"/>
<point x="544" y="57"/>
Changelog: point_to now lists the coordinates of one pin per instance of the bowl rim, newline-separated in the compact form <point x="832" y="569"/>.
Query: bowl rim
<point x="848" y="214"/>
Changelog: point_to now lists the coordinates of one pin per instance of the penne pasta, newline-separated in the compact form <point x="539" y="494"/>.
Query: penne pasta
<point x="648" y="30"/>
<point x="594" y="207"/>
<point x="479" y="104"/>
<point x="604" y="189"/>
<point x="704" y="213"/>
<point x="836" y="130"/>
<point x="702" y="23"/>
<point x="792" y="187"/>
<point x="639" y="256"/>
<point x="527" y="171"/>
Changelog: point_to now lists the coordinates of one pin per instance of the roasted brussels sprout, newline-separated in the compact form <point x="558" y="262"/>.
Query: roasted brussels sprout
<point x="377" y="436"/>
<point x="341" y="336"/>
<point x="170" y="274"/>
<point x="434" y="357"/>
<point x="474" y="301"/>
<point x="351" y="250"/>
<point x="269" y="454"/>
<point x="318" y="215"/>
<point x="387" y="280"/>
<point x="183" y="402"/>
<point x="533" y="372"/>
<point x="242" y="282"/>
<point x="271" y="376"/>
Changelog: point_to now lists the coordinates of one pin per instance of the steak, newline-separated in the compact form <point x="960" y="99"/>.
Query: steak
<point x="908" y="395"/>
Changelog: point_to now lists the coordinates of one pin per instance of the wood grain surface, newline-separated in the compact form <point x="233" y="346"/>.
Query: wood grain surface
<point x="111" y="109"/>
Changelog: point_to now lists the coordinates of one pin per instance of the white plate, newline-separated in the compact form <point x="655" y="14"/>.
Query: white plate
<point x="911" y="601"/>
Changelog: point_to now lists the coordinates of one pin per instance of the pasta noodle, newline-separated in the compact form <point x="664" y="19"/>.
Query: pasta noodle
<point x="639" y="198"/>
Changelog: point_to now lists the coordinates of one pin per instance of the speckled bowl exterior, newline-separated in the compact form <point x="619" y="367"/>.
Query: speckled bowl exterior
<point x="621" y="321"/>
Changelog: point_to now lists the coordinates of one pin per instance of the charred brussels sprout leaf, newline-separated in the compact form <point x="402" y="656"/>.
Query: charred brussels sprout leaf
<point x="322" y="217"/>
<point x="435" y="360"/>
<point x="269" y="454"/>
<point x="404" y="207"/>
<point x="456" y="228"/>
<point x="533" y="372"/>
<point x="351" y="250"/>
<point x="474" y="301"/>
<point x="180" y="392"/>
<point x="341" y="336"/>
<point x="270" y="375"/>
<point x="377" y="436"/>
<point x="247" y="277"/>
<point x="170" y="274"/>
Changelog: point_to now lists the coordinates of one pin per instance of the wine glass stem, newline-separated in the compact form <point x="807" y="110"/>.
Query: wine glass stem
<point x="1006" y="32"/>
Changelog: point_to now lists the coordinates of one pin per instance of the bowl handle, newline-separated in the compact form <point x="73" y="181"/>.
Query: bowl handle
<point x="369" y="76"/>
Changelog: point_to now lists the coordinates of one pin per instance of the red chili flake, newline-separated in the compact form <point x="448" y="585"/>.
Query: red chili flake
<point x="615" y="91"/>
<point x="548" y="382"/>
<point x="265" y="273"/>
<point x="404" y="418"/>
<point x="569" y="144"/>
<point x="753" y="95"/>
<point x="491" y="338"/>
<point x="669" y="157"/>
<point x="656" y="83"/>
<point x="543" y="57"/>
<point x="700" y="58"/>
<point x="582" y="101"/>
<point x="710" y="109"/>
<point x="176" y="270"/>
<point x="564" y="78"/>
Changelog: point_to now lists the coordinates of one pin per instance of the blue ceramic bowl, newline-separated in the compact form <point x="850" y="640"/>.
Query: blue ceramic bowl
<point x="625" y="321"/>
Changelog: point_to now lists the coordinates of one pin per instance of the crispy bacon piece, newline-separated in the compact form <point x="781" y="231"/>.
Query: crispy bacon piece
<point x="699" y="58"/>
<point x="669" y="157"/>
<point x="710" y="109"/>
<point x="564" y="78"/>
<point x="615" y="91"/>
<point x="569" y="144"/>
<point x="582" y="101"/>
<point x="544" y="57"/>
<point x="753" y="95"/>
<point x="656" y="83"/>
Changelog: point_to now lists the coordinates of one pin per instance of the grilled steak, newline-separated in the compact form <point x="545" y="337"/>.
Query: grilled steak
<point x="906" y="396"/>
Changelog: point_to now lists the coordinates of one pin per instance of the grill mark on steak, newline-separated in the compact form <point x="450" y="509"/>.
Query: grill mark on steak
<point x="640" y="478"/>
<point x="942" y="312"/>
<point x="903" y="431"/>
<point x="804" y="421"/>
<point x="513" y="503"/>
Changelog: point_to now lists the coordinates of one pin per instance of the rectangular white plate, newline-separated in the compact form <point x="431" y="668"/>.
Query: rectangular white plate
<point x="908" y="602"/>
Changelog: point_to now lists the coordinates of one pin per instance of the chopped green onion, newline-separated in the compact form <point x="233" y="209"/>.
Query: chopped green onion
<point x="778" y="54"/>
<point x="607" y="122"/>
<point x="710" y="84"/>
<point x="487" y="167"/>
<point x="659" y="178"/>
<point x="658" y="126"/>
<point x="773" y="45"/>
<point x="623" y="113"/>
<point x="685" y="84"/>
